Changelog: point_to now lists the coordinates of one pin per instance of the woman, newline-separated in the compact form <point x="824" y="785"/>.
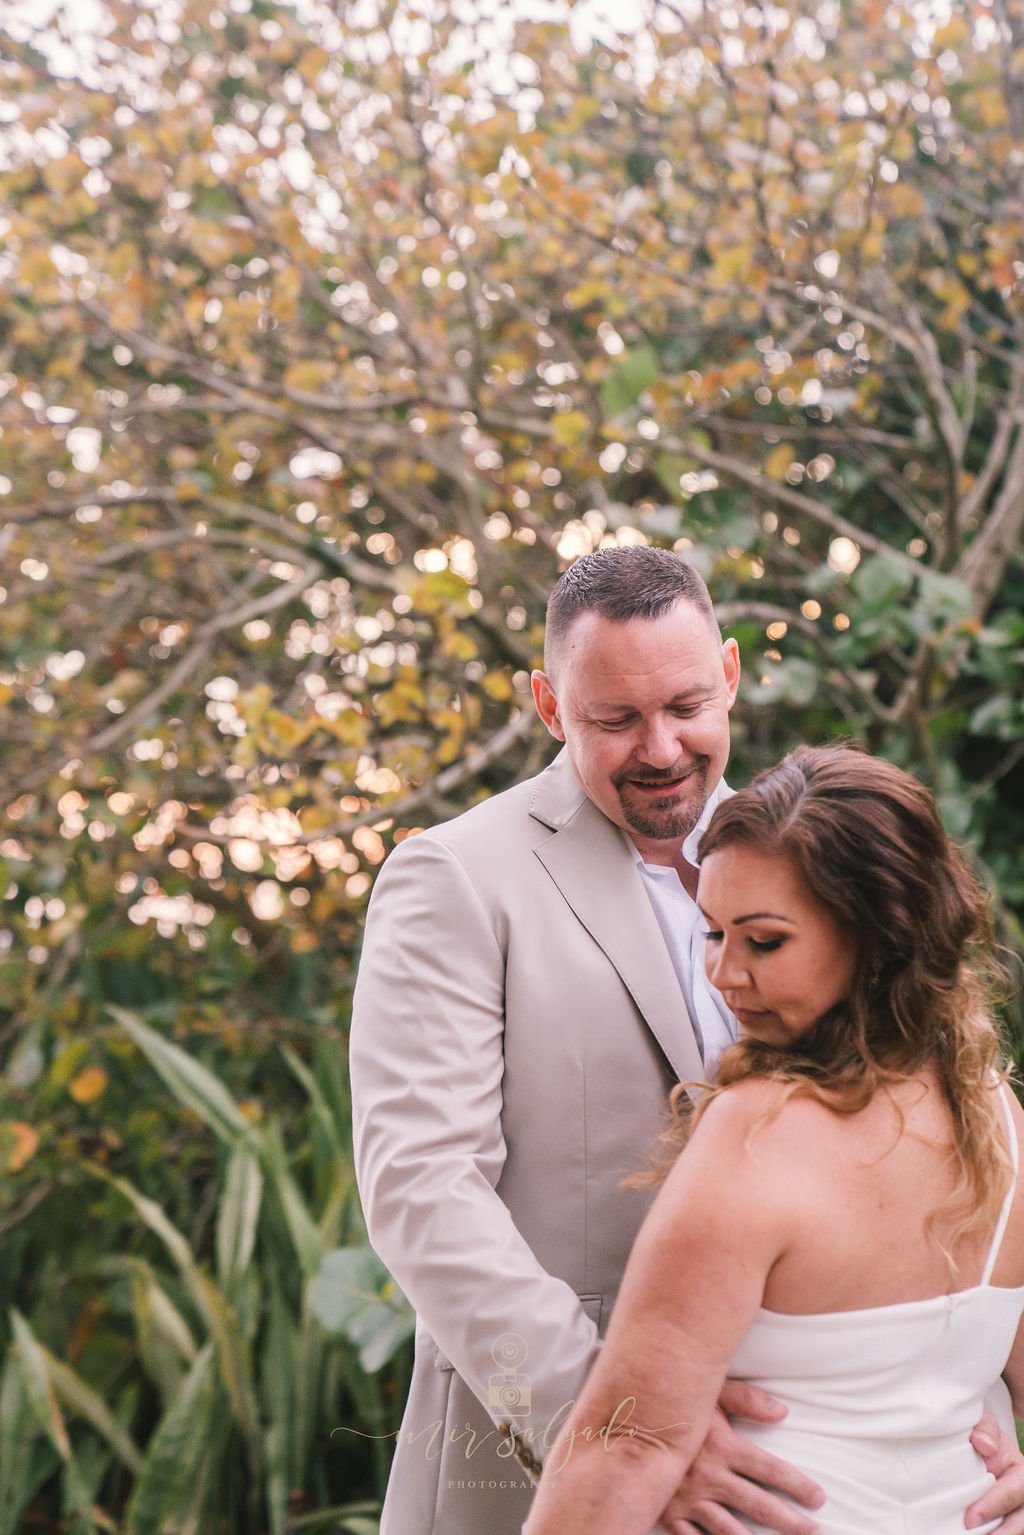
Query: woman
<point x="845" y="1226"/>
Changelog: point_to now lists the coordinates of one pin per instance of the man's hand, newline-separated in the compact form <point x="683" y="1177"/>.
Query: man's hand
<point x="729" y="1474"/>
<point x="1006" y="1463"/>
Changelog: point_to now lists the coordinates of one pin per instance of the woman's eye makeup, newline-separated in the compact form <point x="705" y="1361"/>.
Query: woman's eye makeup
<point x="759" y="945"/>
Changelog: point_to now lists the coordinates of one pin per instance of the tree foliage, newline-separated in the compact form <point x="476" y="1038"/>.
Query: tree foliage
<point x="329" y="335"/>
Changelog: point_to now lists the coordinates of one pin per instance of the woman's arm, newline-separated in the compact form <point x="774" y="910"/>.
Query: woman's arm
<point x="692" y="1287"/>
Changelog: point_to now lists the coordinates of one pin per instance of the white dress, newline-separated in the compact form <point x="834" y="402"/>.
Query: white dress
<point x="882" y="1401"/>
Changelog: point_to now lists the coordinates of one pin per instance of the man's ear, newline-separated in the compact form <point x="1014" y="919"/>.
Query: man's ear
<point x="731" y="668"/>
<point x="547" y="704"/>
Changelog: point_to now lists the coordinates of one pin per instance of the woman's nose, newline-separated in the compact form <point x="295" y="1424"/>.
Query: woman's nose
<point x="725" y="968"/>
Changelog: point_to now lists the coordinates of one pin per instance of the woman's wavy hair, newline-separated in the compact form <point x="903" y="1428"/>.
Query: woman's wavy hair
<point x="868" y="843"/>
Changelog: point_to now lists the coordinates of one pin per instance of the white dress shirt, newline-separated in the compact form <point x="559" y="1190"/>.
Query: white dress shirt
<point x="683" y="929"/>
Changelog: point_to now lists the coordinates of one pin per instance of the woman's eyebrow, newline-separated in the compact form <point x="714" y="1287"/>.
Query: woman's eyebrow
<point x="752" y="916"/>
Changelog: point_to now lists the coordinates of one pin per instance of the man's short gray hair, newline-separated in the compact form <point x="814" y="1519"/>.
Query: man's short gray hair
<point x="636" y="582"/>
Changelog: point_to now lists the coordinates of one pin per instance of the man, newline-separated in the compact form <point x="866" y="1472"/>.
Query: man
<point x="531" y="987"/>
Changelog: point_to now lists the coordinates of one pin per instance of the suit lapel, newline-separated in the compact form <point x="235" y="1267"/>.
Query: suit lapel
<point x="592" y="868"/>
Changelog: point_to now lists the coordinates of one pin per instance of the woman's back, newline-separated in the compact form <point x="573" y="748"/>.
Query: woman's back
<point x="883" y="1358"/>
<point x="863" y="1187"/>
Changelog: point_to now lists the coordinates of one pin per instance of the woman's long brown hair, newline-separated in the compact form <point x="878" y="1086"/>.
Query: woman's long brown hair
<point x="870" y="847"/>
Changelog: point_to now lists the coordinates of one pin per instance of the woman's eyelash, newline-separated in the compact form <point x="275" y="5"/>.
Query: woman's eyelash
<point x="759" y="945"/>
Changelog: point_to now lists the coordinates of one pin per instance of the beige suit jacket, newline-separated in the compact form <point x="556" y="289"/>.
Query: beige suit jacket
<point x="516" y="1030"/>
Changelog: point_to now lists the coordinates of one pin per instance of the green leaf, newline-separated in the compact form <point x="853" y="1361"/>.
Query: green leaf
<point x="353" y="1294"/>
<point x="86" y="1403"/>
<point x="946" y="598"/>
<point x="637" y="370"/>
<point x="355" y="1518"/>
<point x="306" y="1239"/>
<point x="797" y="681"/>
<point x="153" y="1216"/>
<point x="191" y="1083"/>
<point x="670" y="468"/>
<point x="165" y="1341"/>
<point x="42" y="1397"/>
<point x="175" y="1451"/>
<point x="879" y="580"/>
<point x="279" y="1380"/>
<point x="39" y="1387"/>
<point x="1000" y="716"/>
<point x="318" y="1099"/>
<point x="239" y="1212"/>
<point x="235" y="1368"/>
<point x="26" y="1460"/>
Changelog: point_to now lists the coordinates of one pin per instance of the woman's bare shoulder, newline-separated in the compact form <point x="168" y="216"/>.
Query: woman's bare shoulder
<point x="764" y="1125"/>
<point x="761" y="1102"/>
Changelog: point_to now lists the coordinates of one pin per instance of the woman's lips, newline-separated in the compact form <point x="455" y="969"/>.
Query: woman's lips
<point x="749" y="1014"/>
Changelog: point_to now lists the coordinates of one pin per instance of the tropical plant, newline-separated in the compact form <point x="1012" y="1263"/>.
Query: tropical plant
<point x="256" y="1372"/>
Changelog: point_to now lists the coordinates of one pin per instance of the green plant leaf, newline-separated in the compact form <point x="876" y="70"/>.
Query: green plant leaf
<point x="26" y="1458"/>
<point x="239" y="1212"/>
<point x="39" y="1387"/>
<point x="636" y="371"/>
<point x="43" y="1400"/>
<point x="191" y="1083"/>
<point x="176" y="1450"/>
<point x="308" y="1243"/>
<point x="318" y="1099"/>
<point x="878" y="580"/>
<point x="353" y="1294"/>
<point x="83" y="1402"/>
<point x="166" y="1343"/>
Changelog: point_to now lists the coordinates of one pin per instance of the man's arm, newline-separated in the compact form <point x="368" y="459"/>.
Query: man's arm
<point x="427" y="1062"/>
<point x="427" y="1058"/>
<point x="997" y="1445"/>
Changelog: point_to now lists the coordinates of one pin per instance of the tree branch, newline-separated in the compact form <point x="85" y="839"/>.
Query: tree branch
<point x="781" y="495"/>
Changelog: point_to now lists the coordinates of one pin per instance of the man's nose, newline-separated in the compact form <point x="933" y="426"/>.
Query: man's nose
<point x="660" y="747"/>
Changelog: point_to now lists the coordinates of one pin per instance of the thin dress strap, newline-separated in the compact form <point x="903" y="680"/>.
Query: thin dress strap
<point x="1004" y="1214"/>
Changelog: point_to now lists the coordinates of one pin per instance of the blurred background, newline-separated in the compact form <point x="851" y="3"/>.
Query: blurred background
<point x="329" y="335"/>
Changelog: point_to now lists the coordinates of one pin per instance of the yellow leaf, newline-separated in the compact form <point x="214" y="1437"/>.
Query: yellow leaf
<point x="990" y="108"/>
<point x="872" y="245"/>
<point x="732" y="264"/>
<point x="23" y="1141"/>
<point x="568" y="426"/>
<point x="498" y="684"/>
<point x="778" y="461"/>
<point x="308" y="376"/>
<point x="62" y="176"/>
<point x="954" y="34"/>
<point x="459" y="645"/>
<point x="36" y="266"/>
<point x="313" y="62"/>
<point x="123" y="260"/>
<point x="89" y="1085"/>
<point x="581" y="111"/>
